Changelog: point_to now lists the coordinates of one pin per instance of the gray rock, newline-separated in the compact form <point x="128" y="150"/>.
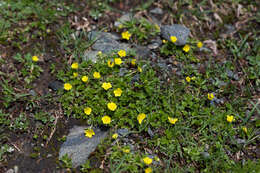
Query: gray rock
<point x="96" y="35"/>
<point x="90" y="56"/>
<point x="108" y="47"/>
<point x="155" y="43"/>
<point x="122" y="132"/>
<point x="179" y="31"/>
<point x="156" y="11"/>
<point x="78" y="147"/>
<point x="124" y="18"/>
<point x="55" y="85"/>
<point x="142" y="52"/>
<point x="106" y="42"/>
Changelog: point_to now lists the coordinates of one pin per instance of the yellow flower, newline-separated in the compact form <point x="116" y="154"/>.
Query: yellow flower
<point x="75" y="65"/>
<point x="118" y="61"/>
<point x="199" y="44"/>
<point x="172" y="120"/>
<point x="173" y="39"/>
<point x="112" y="106"/>
<point x="110" y="63"/>
<point x="148" y="170"/>
<point x="67" y="86"/>
<point x="89" y="133"/>
<point x="106" y="85"/>
<point x="164" y="41"/>
<point x="84" y="78"/>
<point x="141" y="117"/>
<point x="188" y="79"/>
<point x="96" y="75"/>
<point x="230" y="118"/>
<point x="118" y="92"/>
<point x="106" y="119"/>
<point x="115" y="135"/>
<point x="244" y="129"/>
<point x="140" y="69"/>
<point x="35" y="59"/>
<point x="133" y="62"/>
<point x="99" y="53"/>
<point x="186" y="48"/>
<point x="126" y="35"/>
<point x="211" y="96"/>
<point x="87" y="110"/>
<point x="121" y="53"/>
<point x="75" y="74"/>
<point x="147" y="160"/>
<point x="126" y="150"/>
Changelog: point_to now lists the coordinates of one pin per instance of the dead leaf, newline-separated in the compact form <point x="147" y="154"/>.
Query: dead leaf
<point x="217" y="17"/>
<point x="212" y="45"/>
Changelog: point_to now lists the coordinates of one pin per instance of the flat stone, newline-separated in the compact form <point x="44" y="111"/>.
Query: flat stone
<point x="55" y="85"/>
<point x="90" y="56"/>
<point x="78" y="147"/>
<point x="124" y="18"/>
<point x="93" y="35"/>
<point x="108" y="47"/>
<point x="123" y="132"/>
<point x="105" y="42"/>
<point x="142" y="52"/>
<point x="179" y="31"/>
